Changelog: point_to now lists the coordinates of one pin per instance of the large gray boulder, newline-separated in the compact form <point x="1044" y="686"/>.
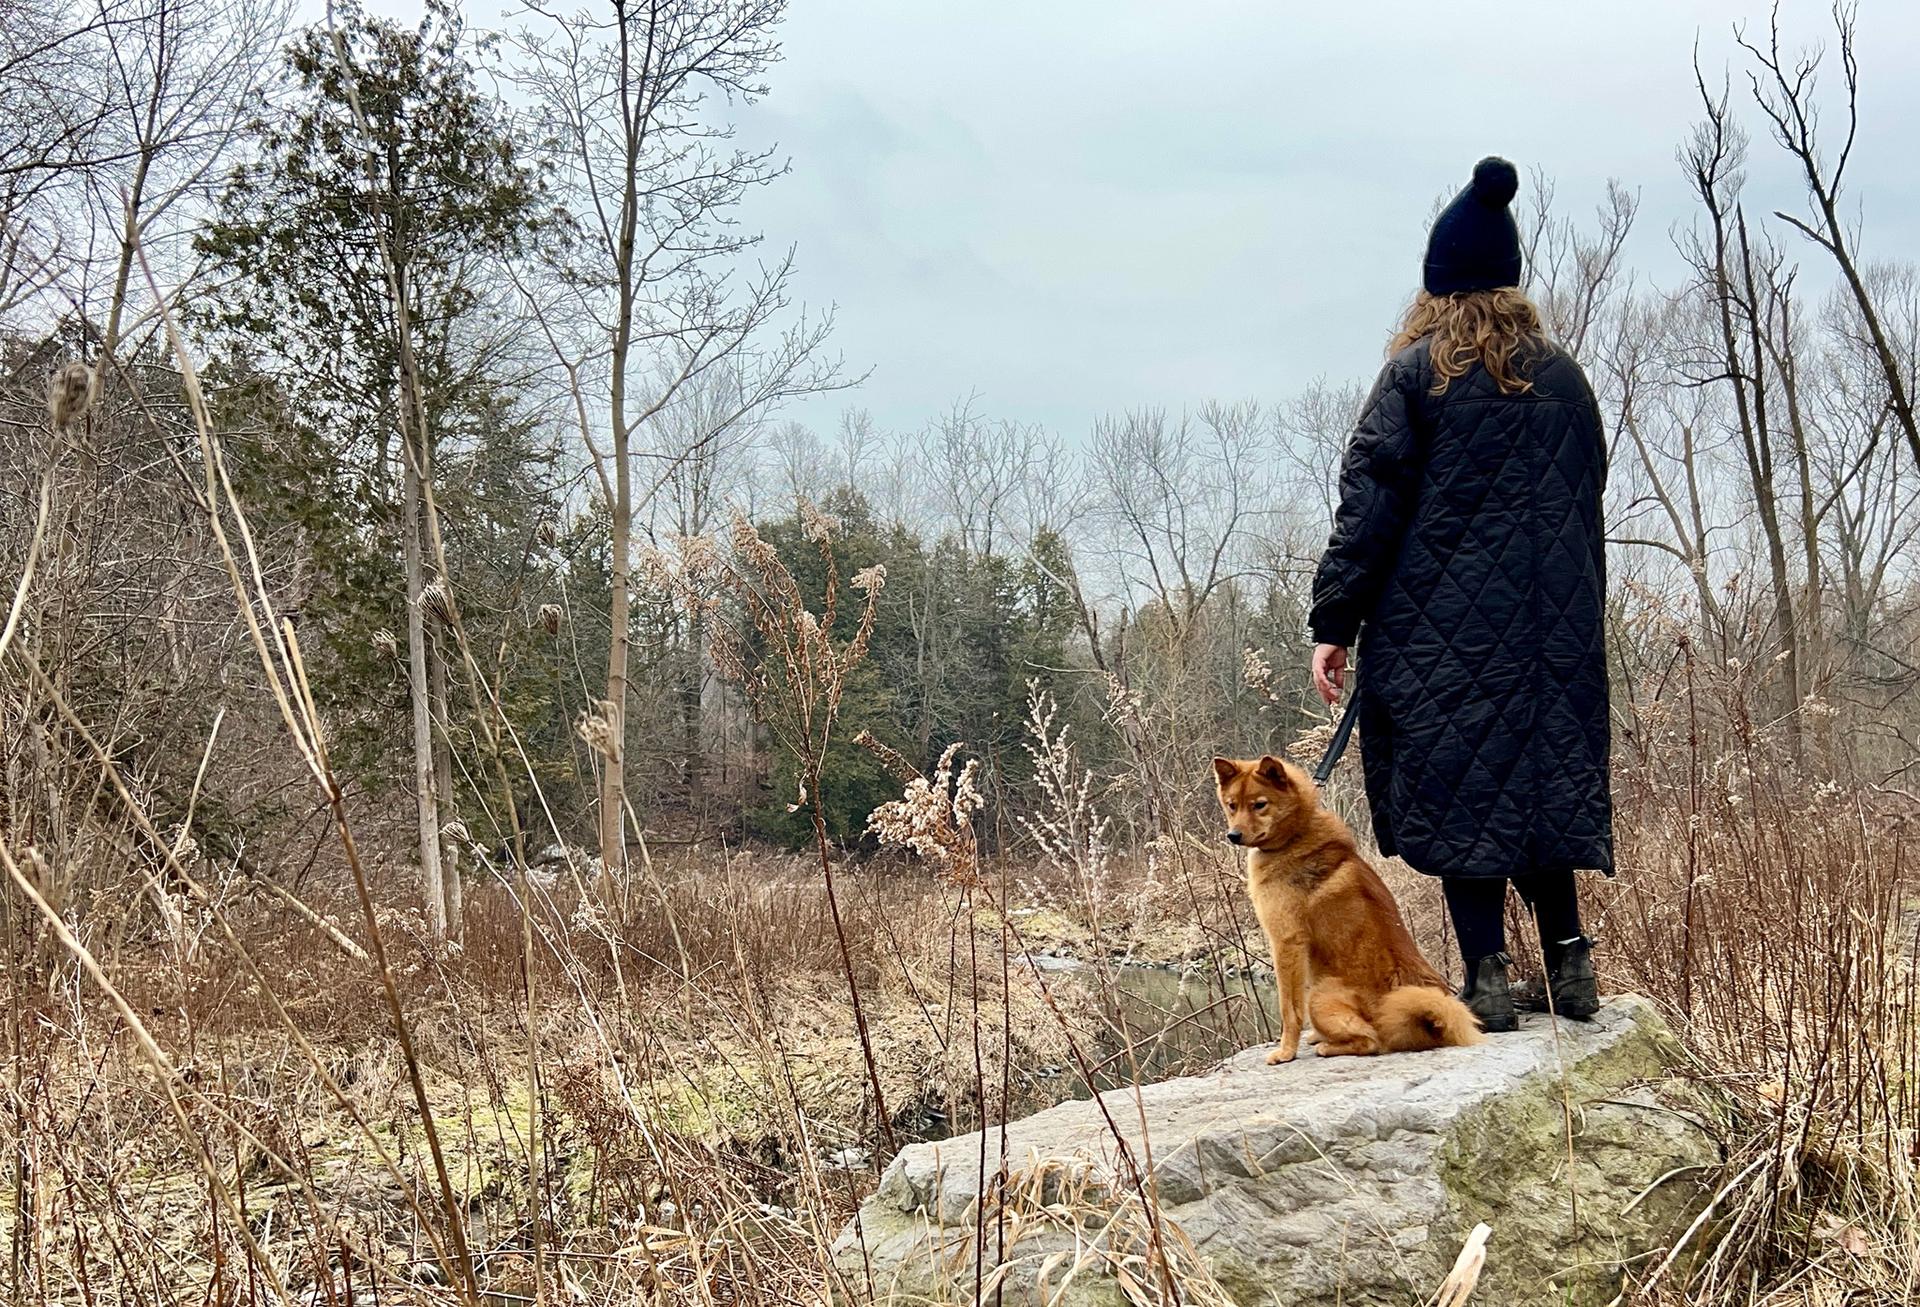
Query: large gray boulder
<point x="1329" y="1180"/>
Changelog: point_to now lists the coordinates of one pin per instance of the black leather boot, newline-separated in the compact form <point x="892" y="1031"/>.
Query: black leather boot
<point x="1571" y="989"/>
<point x="1488" y="996"/>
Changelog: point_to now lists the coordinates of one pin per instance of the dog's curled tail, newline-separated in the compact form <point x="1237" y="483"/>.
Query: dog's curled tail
<point x="1416" y="1017"/>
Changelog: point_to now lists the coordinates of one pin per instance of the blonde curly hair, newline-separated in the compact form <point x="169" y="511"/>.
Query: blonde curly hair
<point x="1498" y="329"/>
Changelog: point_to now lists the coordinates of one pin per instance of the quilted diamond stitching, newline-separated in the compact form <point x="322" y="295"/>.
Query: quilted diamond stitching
<point x="1465" y="543"/>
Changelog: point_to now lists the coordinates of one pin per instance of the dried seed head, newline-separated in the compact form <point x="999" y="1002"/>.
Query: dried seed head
<point x="699" y="555"/>
<point x="437" y="598"/>
<point x="67" y="392"/>
<point x="917" y="820"/>
<point x="968" y="802"/>
<point x="816" y="526"/>
<point x="889" y="757"/>
<point x="384" y="643"/>
<point x="548" y="535"/>
<point x="751" y="546"/>
<point x="595" y="727"/>
<point x="870" y="580"/>
<point x="1311" y="743"/>
<point x="550" y="618"/>
<point x="655" y="570"/>
<point x="1256" y="672"/>
<point x="934" y="815"/>
<point x="1123" y="705"/>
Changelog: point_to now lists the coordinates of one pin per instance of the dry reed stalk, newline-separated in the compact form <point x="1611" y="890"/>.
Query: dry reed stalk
<point x="25" y="585"/>
<point x="110" y="772"/>
<point x="796" y="685"/>
<point x="287" y="679"/>
<point x="168" y="1073"/>
<point x="934" y="819"/>
<point x="1770" y="914"/>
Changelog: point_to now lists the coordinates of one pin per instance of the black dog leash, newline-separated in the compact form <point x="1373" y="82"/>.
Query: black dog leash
<point x="1338" y="744"/>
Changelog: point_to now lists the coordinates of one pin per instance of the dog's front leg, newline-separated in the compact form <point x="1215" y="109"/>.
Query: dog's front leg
<point x="1290" y="980"/>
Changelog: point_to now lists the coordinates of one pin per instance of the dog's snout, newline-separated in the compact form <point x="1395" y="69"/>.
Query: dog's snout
<point x="1233" y="837"/>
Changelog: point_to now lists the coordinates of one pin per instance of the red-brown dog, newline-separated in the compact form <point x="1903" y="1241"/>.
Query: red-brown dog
<point x="1341" y="952"/>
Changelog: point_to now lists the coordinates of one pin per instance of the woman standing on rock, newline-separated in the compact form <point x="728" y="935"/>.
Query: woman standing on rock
<point x="1467" y="558"/>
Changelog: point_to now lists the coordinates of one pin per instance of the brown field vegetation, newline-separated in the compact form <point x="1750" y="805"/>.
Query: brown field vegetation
<point x="487" y="816"/>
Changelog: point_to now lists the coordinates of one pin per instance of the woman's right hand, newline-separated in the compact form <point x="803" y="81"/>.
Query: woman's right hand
<point x="1329" y="671"/>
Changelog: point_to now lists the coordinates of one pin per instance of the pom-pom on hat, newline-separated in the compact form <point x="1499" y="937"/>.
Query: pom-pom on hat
<point x="1475" y="244"/>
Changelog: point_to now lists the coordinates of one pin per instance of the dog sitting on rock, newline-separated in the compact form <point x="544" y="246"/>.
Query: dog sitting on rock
<point x="1342" y="956"/>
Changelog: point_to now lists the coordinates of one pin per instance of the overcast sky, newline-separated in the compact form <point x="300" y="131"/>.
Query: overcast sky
<point x="1075" y="206"/>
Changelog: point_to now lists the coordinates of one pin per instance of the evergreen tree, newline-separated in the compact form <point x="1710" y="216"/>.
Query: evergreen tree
<point x="400" y="148"/>
<point x="366" y="244"/>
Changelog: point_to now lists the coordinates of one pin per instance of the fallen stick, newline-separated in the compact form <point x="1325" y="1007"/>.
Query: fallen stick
<point x="339" y="937"/>
<point x="1460" y="1281"/>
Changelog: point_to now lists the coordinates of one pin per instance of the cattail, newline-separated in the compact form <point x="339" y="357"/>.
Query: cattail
<point x="67" y="393"/>
<point x="550" y="618"/>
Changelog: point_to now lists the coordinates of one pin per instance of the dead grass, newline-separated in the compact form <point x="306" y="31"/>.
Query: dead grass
<point x="1772" y="915"/>
<point x="666" y="1086"/>
<point x="701" y="1088"/>
<point x="699" y="1126"/>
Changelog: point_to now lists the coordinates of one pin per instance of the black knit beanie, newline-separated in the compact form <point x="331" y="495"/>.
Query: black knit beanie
<point x="1475" y="244"/>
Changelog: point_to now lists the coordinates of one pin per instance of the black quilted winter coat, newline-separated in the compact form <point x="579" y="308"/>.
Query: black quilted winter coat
<point x="1467" y="556"/>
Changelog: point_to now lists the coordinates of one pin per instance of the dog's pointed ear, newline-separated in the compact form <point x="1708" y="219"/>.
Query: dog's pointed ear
<point x="1272" y="769"/>
<point x="1225" y="769"/>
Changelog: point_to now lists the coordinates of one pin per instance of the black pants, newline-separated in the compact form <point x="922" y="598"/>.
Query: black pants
<point x="1478" y="904"/>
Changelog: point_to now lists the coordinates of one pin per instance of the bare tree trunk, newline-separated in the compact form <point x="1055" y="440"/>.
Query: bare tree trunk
<point x="641" y="153"/>
<point x="613" y="775"/>
<point x="452" y="892"/>
<point x="426" y="800"/>
<point x="122" y="276"/>
<point x="613" y="772"/>
<point x="1813" y="660"/>
<point x="692" y="714"/>
<point x="1757" y="434"/>
<point x="180" y="82"/>
<point x="1713" y="161"/>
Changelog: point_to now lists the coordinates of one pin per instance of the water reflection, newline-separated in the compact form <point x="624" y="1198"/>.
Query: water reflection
<point x="1165" y="1023"/>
